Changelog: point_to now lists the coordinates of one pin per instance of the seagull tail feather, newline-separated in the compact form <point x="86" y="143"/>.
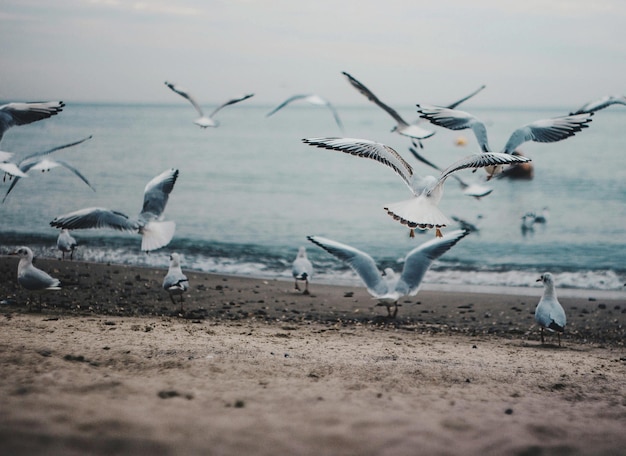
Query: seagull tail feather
<point x="156" y="235"/>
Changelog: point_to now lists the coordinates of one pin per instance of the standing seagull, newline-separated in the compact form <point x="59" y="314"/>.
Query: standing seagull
<point x="14" y="114"/>
<point x="175" y="282"/>
<point x="402" y="127"/>
<point x="549" y="312"/>
<point x="302" y="270"/>
<point x="545" y="131"/>
<point x="155" y="232"/>
<point x="66" y="243"/>
<point x="421" y="211"/>
<point x="40" y="162"/>
<point x="32" y="278"/>
<point x="389" y="287"/>
<point x="204" y="121"/>
<point x="600" y="103"/>
<point x="314" y="100"/>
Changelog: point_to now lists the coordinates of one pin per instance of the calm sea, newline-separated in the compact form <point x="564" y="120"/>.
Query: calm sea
<point x="249" y="192"/>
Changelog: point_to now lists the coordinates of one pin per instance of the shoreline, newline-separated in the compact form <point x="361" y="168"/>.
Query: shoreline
<point x="109" y="365"/>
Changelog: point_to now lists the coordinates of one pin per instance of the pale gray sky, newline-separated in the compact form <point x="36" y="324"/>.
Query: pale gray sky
<point x="529" y="53"/>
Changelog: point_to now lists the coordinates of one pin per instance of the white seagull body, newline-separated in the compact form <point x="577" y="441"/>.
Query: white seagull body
<point x="421" y="211"/>
<point x="205" y="121"/>
<point x="14" y="114"/>
<point x="544" y="131"/>
<point x="312" y="99"/>
<point x="302" y="269"/>
<point x="389" y="287"/>
<point x="66" y="243"/>
<point x="30" y="277"/>
<point x="549" y="312"/>
<point x="41" y="162"/>
<point x="155" y="232"/>
<point x="600" y="103"/>
<point x="175" y="282"/>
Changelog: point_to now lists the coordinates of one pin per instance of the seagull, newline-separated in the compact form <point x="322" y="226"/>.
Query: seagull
<point x="546" y="130"/>
<point x="9" y="168"/>
<point x="543" y="218"/>
<point x="302" y="270"/>
<point x="175" y="282"/>
<point x="600" y="103"/>
<point x="31" y="278"/>
<point x="402" y="127"/>
<point x="549" y="312"/>
<point x="388" y="287"/>
<point x="467" y="226"/>
<point x="312" y="99"/>
<point x="475" y="190"/>
<point x="14" y="114"/>
<point x="421" y="211"/>
<point x="204" y="121"/>
<point x="528" y="223"/>
<point x="155" y="232"/>
<point x="41" y="162"/>
<point x="66" y="243"/>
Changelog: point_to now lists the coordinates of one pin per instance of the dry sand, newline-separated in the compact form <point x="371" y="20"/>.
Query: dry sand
<point x="110" y="366"/>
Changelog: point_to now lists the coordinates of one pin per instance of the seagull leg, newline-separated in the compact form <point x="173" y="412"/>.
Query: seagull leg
<point x="412" y="233"/>
<point x="172" y="298"/>
<point x="296" y="285"/>
<point x="306" y="287"/>
<point x="542" y="334"/>
<point x="438" y="233"/>
<point x="395" y="310"/>
<point x="181" y="303"/>
<point x="559" y="336"/>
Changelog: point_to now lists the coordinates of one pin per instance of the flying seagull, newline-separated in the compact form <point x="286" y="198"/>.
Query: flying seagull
<point x="155" y="232"/>
<point x="421" y="211"/>
<point x="312" y="99"/>
<point x="302" y="269"/>
<point x="204" y="121"/>
<point x="549" y="312"/>
<point x="600" y="103"/>
<point x="41" y="162"/>
<point x="389" y="287"/>
<point x="475" y="190"/>
<point x="14" y="114"/>
<point x="544" y="131"/>
<point x="175" y="282"/>
<point x="403" y="127"/>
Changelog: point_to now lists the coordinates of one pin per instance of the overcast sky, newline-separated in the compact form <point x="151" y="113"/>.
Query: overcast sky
<point x="527" y="52"/>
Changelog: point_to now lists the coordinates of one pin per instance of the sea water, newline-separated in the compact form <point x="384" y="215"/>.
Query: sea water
<point x="250" y="192"/>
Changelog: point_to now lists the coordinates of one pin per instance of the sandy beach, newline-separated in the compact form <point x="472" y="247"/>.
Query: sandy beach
<point x="108" y="365"/>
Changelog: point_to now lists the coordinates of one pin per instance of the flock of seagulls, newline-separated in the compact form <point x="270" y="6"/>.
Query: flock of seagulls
<point x="419" y="212"/>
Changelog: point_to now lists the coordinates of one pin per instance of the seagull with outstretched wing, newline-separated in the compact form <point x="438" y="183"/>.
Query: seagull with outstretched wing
<point x="205" y="121"/>
<point x="155" y="233"/>
<point x="387" y="288"/>
<point x="14" y="114"/>
<point x="421" y="210"/>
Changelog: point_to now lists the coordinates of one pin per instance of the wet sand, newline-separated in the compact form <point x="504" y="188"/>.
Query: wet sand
<point x="108" y="365"/>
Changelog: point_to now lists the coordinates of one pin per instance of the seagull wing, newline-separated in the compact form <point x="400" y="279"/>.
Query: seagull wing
<point x="183" y="93"/>
<point x="453" y="119"/>
<point x="374" y="99"/>
<point x="157" y="192"/>
<point x="600" y="103"/>
<point x="230" y="102"/>
<point x="12" y="169"/>
<point x="13" y="114"/>
<point x="482" y="160"/>
<point x="424" y="160"/>
<point x="285" y="103"/>
<point x="548" y="130"/>
<point x="359" y="261"/>
<point x="95" y="217"/>
<point x="54" y="149"/>
<point x="458" y="102"/>
<point x="367" y="149"/>
<point x="418" y="260"/>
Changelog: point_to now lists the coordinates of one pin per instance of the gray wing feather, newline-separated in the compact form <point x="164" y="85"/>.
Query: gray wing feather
<point x="157" y="193"/>
<point x="95" y="217"/>
<point x="230" y="102"/>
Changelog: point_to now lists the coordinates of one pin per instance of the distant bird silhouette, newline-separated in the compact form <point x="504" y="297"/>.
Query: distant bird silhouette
<point x="66" y="244"/>
<point x="388" y="288"/>
<point x="422" y="210"/>
<point x="312" y="99"/>
<point x="14" y="114"/>
<point x="205" y="121"/>
<point x="155" y="233"/>
<point x="600" y="103"/>
<point x="302" y="270"/>
<point x="175" y="282"/>
<point x="549" y="312"/>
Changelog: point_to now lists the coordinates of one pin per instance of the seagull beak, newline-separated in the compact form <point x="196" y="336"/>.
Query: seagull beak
<point x="539" y="280"/>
